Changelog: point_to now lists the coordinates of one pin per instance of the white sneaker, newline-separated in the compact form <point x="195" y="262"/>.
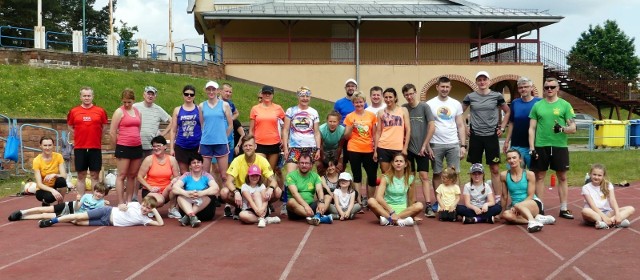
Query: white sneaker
<point x="601" y="225"/>
<point x="262" y="223"/>
<point x="384" y="221"/>
<point x="624" y="224"/>
<point x="406" y="222"/>
<point x="545" y="219"/>
<point x="272" y="220"/>
<point x="174" y="213"/>
<point x="534" y="226"/>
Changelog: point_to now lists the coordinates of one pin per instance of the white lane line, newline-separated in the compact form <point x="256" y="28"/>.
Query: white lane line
<point x="295" y="256"/>
<point x="584" y="275"/>
<point x="51" y="248"/>
<point x="10" y="199"/>
<point x="435" y="252"/>
<point x="432" y="270"/>
<point x="423" y="247"/>
<point x="163" y="256"/>
<point x="542" y="243"/>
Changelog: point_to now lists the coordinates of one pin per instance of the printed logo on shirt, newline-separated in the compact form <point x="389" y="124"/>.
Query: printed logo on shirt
<point x="444" y="113"/>
<point x="86" y="118"/>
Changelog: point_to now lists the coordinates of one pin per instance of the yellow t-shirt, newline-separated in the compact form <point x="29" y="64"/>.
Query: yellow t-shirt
<point x="239" y="168"/>
<point x="48" y="167"/>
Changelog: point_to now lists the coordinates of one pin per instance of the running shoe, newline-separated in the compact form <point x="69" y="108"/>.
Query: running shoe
<point x="313" y="221"/>
<point x="272" y="220"/>
<point x="262" y="223"/>
<point x="534" y="226"/>
<point x="601" y="225"/>
<point x="194" y="221"/>
<point x="406" y="222"/>
<point x="469" y="220"/>
<point x="45" y="223"/>
<point x="545" y="219"/>
<point x="624" y="224"/>
<point x="384" y="221"/>
<point x="566" y="214"/>
<point x="15" y="216"/>
<point x="184" y="221"/>
<point x="174" y="213"/>
<point x="227" y="211"/>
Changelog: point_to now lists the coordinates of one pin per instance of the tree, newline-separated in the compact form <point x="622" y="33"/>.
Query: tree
<point x="61" y="16"/>
<point x="126" y="39"/>
<point x="604" y="52"/>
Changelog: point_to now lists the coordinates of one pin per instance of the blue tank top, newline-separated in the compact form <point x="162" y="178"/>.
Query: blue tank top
<point x="189" y="129"/>
<point x="214" y="129"/>
<point x="518" y="190"/>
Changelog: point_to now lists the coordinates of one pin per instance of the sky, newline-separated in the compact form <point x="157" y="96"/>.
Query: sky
<point x="578" y="15"/>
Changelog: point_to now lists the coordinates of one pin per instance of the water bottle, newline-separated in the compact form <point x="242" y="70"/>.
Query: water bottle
<point x="587" y="178"/>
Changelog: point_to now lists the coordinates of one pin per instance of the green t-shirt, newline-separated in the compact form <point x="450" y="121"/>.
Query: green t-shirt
<point x="547" y="114"/>
<point x="306" y="185"/>
<point x="396" y="192"/>
<point x="330" y="140"/>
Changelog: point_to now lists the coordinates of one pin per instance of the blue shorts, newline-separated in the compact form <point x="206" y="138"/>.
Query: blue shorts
<point x="216" y="150"/>
<point x="100" y="216"/>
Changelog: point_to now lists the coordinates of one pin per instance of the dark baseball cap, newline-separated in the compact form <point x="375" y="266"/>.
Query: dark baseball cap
<point x="268" y="89"/>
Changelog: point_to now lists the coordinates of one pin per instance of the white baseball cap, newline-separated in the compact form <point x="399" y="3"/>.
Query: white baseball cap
<point x="212" y="84"/>
<point x="351" y="81"/>
<point x="345" y="176"/>
<point x="483" y="73"/>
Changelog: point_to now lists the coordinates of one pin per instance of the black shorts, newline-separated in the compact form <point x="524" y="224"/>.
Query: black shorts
<point x="63" y="208"/>
<point x="489" y="145"/>
<point x="128" y="152"/>
<point x="268" y="149"/>
<point x="183" y="155"/>
<point x="88" y="159"/>
<point x="386" y="155"/>
<point x="555" y="157"/>
<point x="293" y="216"/>
<point x="420" y="161"/>
<point x="540" y="205"/>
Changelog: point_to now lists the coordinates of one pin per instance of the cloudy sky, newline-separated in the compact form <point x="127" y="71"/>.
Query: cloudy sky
<point x="151" y="17"/>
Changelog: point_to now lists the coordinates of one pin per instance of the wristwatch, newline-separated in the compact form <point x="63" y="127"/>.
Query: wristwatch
<point x="502" y="129"/>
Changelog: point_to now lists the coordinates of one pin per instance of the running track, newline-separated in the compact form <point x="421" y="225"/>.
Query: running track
<point x="359" y="249"/>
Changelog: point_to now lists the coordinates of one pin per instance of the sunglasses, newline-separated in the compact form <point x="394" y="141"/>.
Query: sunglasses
<point x="550" y="87"/>
<point x="188" y="94"/>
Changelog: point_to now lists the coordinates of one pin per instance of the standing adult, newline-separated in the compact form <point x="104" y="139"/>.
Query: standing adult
<point x="264" y="119"/>
<point x="49" y="173"/>
<point x="125" y="137"/>
<point x="300" y="134"/>
<point x="87" y="122"/>
<point x="225" y="94"/>
<point x="217" y="126"/>
<point x="449" y="138"/>
<point x="518" y="134"/>
<point x="344" y="106"/>
<point x="392" y="122"/>
<point x="551" y="120"/>
<point x="153" y="116"/>
<point x="238" y="171"/>
<point x="186" y="129"/>
<point x="423" y="127"/>
<point x="360" y="126"/>
<point x="377" y="101"/>
<point x="485" y="128"/>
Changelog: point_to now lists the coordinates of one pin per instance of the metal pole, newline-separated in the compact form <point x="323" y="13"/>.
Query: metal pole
<point x="170" y="29"/>
<point x="111" y="17"/>
<point x="84" y="26"/>
<point x="39" y="13"/>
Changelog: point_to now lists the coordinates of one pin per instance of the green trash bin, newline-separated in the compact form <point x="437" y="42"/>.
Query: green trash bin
<point x="610" y="133"/>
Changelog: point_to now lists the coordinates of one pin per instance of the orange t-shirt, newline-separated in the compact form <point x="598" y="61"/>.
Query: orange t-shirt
<point x="392" y="136"/>
<point x="266" y="129"/>
<point x="362" y="134"/>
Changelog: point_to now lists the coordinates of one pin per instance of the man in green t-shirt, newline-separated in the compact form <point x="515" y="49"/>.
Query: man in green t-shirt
<point x="304" y="186"/>
<point x="552" y="118"/>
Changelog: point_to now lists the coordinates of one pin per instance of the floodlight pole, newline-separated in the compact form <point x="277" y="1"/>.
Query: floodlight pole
<point x="84" y="27"/>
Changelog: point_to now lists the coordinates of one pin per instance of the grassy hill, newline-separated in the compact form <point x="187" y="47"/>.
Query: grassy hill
<point x="29" y="92"/>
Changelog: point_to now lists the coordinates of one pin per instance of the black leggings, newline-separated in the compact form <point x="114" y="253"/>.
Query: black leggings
<point x="47" y="197"/>
<point x="365" y="160"/>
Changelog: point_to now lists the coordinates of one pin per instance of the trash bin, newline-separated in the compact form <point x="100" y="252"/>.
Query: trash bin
<point x="609" y="133"/>
<point x="634" y="133"/>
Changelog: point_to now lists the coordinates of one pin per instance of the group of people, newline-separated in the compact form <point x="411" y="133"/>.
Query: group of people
<point x="401" y="141"/>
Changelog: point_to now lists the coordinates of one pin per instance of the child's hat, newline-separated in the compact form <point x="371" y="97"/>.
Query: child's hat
<point x="345" y="176"/>
<point x="254" y="170"/>
<point x="476" y="167"/>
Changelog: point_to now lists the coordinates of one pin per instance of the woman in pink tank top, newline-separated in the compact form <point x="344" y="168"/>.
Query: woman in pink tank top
<point x="125" y="139"/>
<point x="392" y="131"/>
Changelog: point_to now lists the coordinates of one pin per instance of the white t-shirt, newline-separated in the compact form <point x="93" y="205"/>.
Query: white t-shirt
<point x="301" y="132"/>
<point x="344" y="198"/>
<point x="445" y="113"/>
<point x="477" y="198"/>
<point x="376" y="110"/>
<point x="251" y="190"/>
<point x="597" y="196"/>
<point x="132" y="217"/>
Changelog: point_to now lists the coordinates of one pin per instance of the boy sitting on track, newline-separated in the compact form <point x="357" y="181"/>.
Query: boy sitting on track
<point x="132" y="214"/>
<point x="82" y="204"/>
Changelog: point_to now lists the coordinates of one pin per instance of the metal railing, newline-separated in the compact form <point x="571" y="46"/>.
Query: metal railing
<point x="34" y="149"/>
<point x="58" y="41"/>
<point x="16" y="37"/>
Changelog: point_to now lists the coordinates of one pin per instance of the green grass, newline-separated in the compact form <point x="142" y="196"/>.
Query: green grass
<point x="12" y="184"/>
<point x="29" y="92"/>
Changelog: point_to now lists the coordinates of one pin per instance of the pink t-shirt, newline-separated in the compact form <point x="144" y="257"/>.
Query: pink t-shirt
<point x="129" y="129"/>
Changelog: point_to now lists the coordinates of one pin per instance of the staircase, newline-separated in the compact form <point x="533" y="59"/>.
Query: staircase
<point x="602" y="93"/>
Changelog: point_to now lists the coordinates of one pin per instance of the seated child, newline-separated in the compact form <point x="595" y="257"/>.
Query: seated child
<point x="448" y="195"/>
<point x="131" y="214"/>
<point x="600" y="206"/>
<point x="344" y="196"/>
<point x="479" y="204"/>
<point x="254" y="200"/>
<point x="82" y="204"/>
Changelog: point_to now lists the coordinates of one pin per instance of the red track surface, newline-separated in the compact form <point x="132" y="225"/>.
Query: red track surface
<point x="358" y="249"/>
